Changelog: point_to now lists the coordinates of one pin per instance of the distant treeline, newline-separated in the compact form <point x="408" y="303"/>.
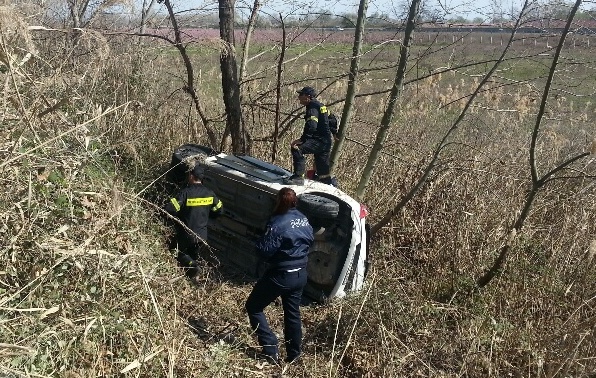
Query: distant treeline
<point x="496" y="29"/>
<point x="471" y="28"/>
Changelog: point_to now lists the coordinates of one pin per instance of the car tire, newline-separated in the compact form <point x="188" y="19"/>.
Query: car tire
<point x="318" y="207"/>
<point x="178" y="167"/>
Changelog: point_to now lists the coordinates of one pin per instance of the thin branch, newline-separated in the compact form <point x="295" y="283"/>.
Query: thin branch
<point x="546" y="92"/>
<point x="560" y="167"/>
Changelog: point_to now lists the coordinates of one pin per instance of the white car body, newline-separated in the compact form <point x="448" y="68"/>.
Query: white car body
<point x="248" y="186"/>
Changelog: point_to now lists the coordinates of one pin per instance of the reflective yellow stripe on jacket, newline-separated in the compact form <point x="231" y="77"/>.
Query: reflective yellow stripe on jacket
<point x="323" y="109"/>
<point x="176" y="204"/>
<point x="313" y="118"/>
<point x="217" y="207"/>
<point x="199" y="201"/>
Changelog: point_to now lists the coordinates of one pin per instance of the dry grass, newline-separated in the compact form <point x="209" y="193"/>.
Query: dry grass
<point x="88" y="287"/>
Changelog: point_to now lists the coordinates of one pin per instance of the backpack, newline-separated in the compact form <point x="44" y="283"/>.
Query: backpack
<point x="333" y="123"/>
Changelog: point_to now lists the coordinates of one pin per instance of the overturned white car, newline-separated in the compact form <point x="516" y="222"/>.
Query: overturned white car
<point x="337" y="261"/>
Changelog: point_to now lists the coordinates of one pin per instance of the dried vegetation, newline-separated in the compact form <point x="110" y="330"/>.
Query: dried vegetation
<point x="88" y="287"/>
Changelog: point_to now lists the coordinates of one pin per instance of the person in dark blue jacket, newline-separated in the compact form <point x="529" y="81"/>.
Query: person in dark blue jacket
<point x="285" y="245"/>
<point x="316" y="139"/>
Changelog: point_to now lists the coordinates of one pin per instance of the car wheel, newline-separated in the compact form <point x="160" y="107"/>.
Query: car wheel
<point x="183" y="154"/>
<point x="318" y="207"/>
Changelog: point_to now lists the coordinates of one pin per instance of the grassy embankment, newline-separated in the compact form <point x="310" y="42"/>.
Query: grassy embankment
<point x="88" y="287"/>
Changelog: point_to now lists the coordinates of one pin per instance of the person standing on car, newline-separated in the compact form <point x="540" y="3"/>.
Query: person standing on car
<point x="316" y="139"/>
<point x="285" y="245"/>
<point x="193" y="206"/>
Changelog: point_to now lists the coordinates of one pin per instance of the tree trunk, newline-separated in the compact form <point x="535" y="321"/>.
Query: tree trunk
<point x="249" y="31"/>
<point x="280" y="70"/>
<point x="145" y="12"/>
<point x="351" y="92"/>
<point x="394" y="95"/>
<point x="229" y="77"/>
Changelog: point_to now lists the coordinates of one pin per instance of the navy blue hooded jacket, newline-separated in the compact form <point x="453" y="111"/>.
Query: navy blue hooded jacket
<point x="287" y="241"/>
<point x="316" y="123"/>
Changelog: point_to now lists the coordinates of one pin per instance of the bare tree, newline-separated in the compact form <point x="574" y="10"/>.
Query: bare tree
<point x="444" y="141"/>
<point x="537" y="182"/>
<point x="190" y="76"/>
<point x="394" y="95"/>
<point x="83" y="12"/>
<point x="229" y="77"/>
<point x="145" y="12"/>
<point x="497" y="12"/>
<point x="352" y="83"/>
<point x="250" y="27"/>
<point x="278" y="88"/>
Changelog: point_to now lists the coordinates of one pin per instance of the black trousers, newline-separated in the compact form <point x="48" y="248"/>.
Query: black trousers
<point x="321" y="151"/>
<point x="188" y="254"/>
<point x="273" y="284"/>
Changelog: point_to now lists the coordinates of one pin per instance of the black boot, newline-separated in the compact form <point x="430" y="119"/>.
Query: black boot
<point x="294" y="180"/>
<point x="329" y="181"/>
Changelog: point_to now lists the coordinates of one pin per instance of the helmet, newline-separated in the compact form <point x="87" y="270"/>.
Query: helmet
<point x="309" y="91"/>
<point x="197" y="171"/>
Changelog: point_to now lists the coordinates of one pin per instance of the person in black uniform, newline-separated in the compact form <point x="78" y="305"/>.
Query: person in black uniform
<point x="315" y="139"/>
<point x="193" y="206"/>
<point x="285" y="245"/>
